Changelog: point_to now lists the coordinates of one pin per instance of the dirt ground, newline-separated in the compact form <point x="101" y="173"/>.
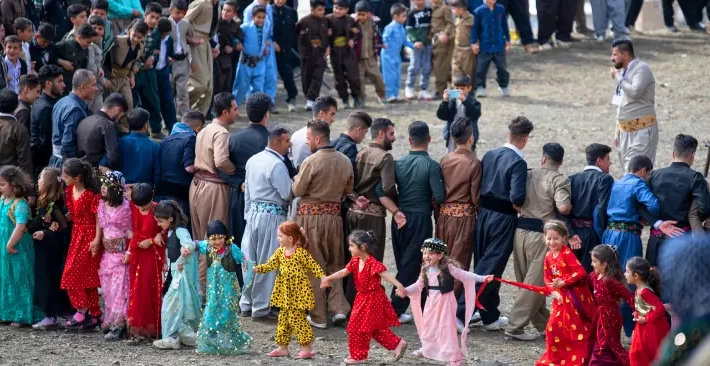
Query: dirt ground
<point x="566" y="93"/>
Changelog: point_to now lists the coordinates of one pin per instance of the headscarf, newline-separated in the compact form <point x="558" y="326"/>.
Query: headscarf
<point x="181" y="127"/>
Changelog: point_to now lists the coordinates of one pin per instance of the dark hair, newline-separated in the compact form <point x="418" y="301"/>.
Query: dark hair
<point x="258" y="9"/>
<point x="112" y="197"/>
<point x="554" y="152"/>
<point x="46" y="31"/>
<point x="461" y="130"/>
<point x="639" y="162"/>
<point x="8" y="101"/>
<point x="97" y="21"/>
<point x="231" y="3"/>
<point x="379" y="124"/>
<point x="137" y="118"/>
<point x="342" y="3"/>
<point x="20" y="181"/>
<point x="75" y="167"/>
<point x="100" y="4"/>
<point x="52" y="189"/>
<point x="317" y="3"/>
<point x="462" y="80"/>
<point x="22" y="24"/>
<point x="140" y="27"/>
<point x="458" y="4"/>
<point x="13" y="39"/>
<point x="192" y="116"/>
<point x="165" y="25"/>
<point x="179" y="5"/>
<point x="169" y="208"/>
<point x="596" y="151"/>
<point x="116" y="100"/>
<point x="684" y="145"/>
<point x="28" y="81"/>
<point x="359" y="119"/>
<point x="154" y="8"/>
<point x="222" y="102"/>
<point x="520" y="127"/>
<point x="363" y="238"/>
<point x="646" y="273"/>
<point x="320" y="128"/>
<point x="49" y="73"/>
<point x="605" y="253"/>
<point x="418" y="132"/>
<point x="86" y="31"/>
<point x="624" y="45"/>
<point x="323" y="104"/>
<point x="74" y="10"/>
<point x="276" y="132"/>
<point x="397" y="9"/>
<point x="257" y="106"/>
<point x="142" y="194"/>
<point x="362" y="5"/>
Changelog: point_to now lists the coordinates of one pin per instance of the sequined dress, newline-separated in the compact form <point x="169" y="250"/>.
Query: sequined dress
<point x="606" y="349"/>
<point x="648" y="336"/>
<point x="221" y="330"/>
<point x="16" y="270"/>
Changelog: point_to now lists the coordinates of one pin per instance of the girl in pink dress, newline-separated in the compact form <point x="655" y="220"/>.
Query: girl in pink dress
<point x="372" y="313"/>
<point x="115" y="229"/>
<point x="436" y="325"/>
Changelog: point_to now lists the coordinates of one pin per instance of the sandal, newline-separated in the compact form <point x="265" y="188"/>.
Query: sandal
<point x="305" y="356"/>
<point x="91" y="324"/>
<point x="73" y="323"/>
<point x="278" y="353"/>
<point x="350" y="361"/>
<point x="399" y="351"/>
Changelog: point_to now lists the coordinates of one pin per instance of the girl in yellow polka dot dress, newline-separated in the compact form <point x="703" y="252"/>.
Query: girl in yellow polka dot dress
<point x="292" y="292"/>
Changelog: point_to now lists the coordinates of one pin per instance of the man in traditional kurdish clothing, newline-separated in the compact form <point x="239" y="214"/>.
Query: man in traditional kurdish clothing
<point x="676" y="187"/>
<point x="209" y="193"/>
<point x="202" y="17"/>
<point x="547" y="191"/>
<point x="266" y="195"/>
<point x="590" y="197"/>
<point x="322" y="181"/>
<point x="418" y="179"/>
<point x="503" y="182"/>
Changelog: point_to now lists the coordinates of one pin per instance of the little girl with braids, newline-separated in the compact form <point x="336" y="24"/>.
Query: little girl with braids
<point x="372" y="313"/>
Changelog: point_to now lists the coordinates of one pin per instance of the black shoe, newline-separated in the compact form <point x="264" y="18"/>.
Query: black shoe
<point x="357" y="103"/>
<point x="73" y="324"/>
<point x="115" y="334"/>
<point x="273" y="109"/>
<point x="91" y="324"/>
<point x="246" y="314"/>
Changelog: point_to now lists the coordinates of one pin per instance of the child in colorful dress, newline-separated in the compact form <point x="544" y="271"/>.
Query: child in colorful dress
<point x="81" y="270"/>
<point x="372" y="313"/>
<point x="292" y="292"/>
<point x="608" y="290"/>
<point x="17" y="278"/>
<point x="48" y="230"/>
<point x="221" y="331"/>
<point x="570" y="323"/>
<point x="650" y="315"/>
<point x="182" y="303"/>
<point x="146" y="258"/>
<point x="437" y="324"/>
<point x="115" y="226"/>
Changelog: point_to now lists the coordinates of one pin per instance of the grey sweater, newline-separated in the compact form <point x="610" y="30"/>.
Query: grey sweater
<point x="639" y="91"/>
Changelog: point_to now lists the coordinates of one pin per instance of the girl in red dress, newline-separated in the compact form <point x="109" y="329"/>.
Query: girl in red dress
<point x="573" y="309"/>
<point x="372" y="314"/>
<point x="605" y="345"/>
<point x="650" y="315"/>
<point x="146" y="258"/>
<point x="81" y="270"/>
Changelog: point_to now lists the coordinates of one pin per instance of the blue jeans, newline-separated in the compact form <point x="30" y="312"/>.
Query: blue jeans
<point x="482" y="64"/>
<point x="605" y="11"/>
<point x="165" y="93"/>
<point x="420" y="63"/>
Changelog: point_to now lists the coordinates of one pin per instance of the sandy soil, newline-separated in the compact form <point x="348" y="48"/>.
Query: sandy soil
<point x="566" y="93"/>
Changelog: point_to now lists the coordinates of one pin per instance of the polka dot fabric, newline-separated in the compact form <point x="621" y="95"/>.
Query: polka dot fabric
<point x="81" y="270"/>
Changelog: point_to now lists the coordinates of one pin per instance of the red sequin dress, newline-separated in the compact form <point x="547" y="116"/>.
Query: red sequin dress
<point x="606" y="349"/>
<point x="146" y="277"/>
<point x="648" y="336"/>
<point x="81" y="270"/>
<point x="571" y="320"/>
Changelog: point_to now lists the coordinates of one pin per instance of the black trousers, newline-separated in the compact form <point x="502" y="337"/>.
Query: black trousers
<point x="519" y="10"/>
<point x="634" y="9"/>
<point x="407" y="244"/>
<point x="312" y="69"/>
<point x="49" y="265"/>
<point x="345" y="70"/>
<point x="555" y="15"/>
<point x="285" y="68"/>
<point x="590" y="239"/>
<point x="237" y="222"/>
<point x="653" y="249"/>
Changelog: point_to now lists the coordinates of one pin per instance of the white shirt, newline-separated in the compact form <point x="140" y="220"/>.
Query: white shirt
<point x="163" y="58"/>
<point x="178" y="41"/>
<point x="593" y="167"/>
<point x="14" y="72"/>
<point x="299" y="147"/>
<point x="28" y="59"/>
<point x="517" y="151"/>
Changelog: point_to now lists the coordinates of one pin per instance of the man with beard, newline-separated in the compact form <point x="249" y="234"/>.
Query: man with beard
<point x="51" y="78"/>
<point x="637" y="127"/>
<point x="590" y="197"/>
<point x="97" y="134"/>
<point x="323" y="180"/>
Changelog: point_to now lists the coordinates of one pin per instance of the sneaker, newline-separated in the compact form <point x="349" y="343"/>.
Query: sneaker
<point x="405" y="318"/>
<point x="167" y="343"/>
<point x="497" y="325"/>
<point x="273" y="109"/>
<point x="545" y="47"/>
<point x="346" y="104"/>
<point x="563" y="44"/>
<point x="524" y="336"/>
<point x="599" y="38"/>
<point x="392" y="100"/>
<point x="189" y="339"/>
<point x="316" y="325"/>
<point x="339" y="319"/>
<point x="481" y="92"/>
<point x="673" y="29"/>
<point x="476" y="317"/>
<point x="157" y="135"/>
<point x="504" y="92"/>
<point x="409" y="93"/>
<point x="357" y="103"/>
<point x="309" y="105"/>
<point x="291" y="107"/>
<point x="114" y="334"/>
<point x="459" y="326"/>
<point x="424" y="95"/>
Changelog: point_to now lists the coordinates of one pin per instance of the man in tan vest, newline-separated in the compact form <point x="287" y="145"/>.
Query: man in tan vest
<point x="199" y="14"/>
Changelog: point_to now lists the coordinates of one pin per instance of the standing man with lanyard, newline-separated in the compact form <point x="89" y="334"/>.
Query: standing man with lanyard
<point x="637" y="127"/>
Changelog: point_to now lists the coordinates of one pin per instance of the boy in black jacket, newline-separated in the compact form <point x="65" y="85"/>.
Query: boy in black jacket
<point x="285" y="19"/>
<point x="465" y="105"/>
<point x="229" y="36"/>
